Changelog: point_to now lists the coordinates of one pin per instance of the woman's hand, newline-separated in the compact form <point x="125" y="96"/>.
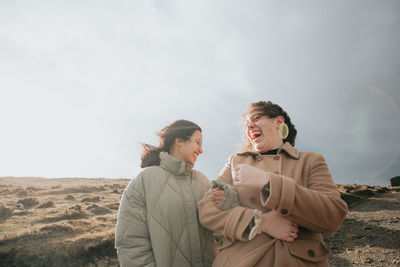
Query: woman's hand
<point x="218" y="195"/>
<point x="249" y="176"/>
<point x="279" y="227"/>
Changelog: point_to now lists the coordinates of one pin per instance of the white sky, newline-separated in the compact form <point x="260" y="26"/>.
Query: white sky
<point x="82" y="83"/>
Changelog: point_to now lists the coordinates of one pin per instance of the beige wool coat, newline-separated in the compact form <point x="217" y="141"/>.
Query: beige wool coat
<point x="301" y="189"/>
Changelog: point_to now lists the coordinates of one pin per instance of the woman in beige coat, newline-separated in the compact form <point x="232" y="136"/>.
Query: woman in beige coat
<point x="287" y="198"/>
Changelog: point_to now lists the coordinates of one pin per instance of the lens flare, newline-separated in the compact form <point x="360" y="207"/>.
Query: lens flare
<point x="396" y="110"/>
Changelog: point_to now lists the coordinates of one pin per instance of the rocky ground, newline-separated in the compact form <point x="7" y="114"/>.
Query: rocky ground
<point x="71" y="222"/>
<point x="370" y="235"/>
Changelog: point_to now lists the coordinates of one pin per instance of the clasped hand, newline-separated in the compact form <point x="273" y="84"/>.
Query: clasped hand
<point x="279" y="227"/>
<point x="249" y="176"/>
<point x="273" y="223"/>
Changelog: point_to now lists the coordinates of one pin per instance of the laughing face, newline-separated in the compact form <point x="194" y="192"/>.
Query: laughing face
<point x="190" y="149"/>
<point x="263" y="132"/>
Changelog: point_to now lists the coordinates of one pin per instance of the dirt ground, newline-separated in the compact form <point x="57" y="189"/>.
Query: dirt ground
<point x="71" y="222"/>
<point x="370" y="235"/>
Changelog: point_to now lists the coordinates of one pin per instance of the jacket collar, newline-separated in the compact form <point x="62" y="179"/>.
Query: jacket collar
<point x="286" y="147"/>
<point x="174" y="165"/>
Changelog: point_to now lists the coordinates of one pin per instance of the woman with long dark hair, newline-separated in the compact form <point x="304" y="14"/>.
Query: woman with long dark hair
<point x="287" y="198"/>
<point x="158" y="222"/>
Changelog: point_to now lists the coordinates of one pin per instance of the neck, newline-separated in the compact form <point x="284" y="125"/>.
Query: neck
<point x="174" y="152"/>
<point x="272" y="146"/>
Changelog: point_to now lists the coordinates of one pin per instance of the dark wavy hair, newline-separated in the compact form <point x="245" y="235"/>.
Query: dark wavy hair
<point x="179" y="129"/>
<point x="272" y="111"/>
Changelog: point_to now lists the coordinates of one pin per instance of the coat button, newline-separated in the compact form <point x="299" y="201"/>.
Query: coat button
<point x="253" y="200"/>
<point x="311" y="253"/>
<point x="284" y="211"/>
<point x="277" y="158"/>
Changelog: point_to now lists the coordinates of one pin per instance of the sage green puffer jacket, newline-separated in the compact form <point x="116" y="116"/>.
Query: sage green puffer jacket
<point x="158" y="223"/>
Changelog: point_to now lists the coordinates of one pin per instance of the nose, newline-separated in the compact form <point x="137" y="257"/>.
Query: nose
<point x="200" y="149"/>
<point x="250" y="125"/>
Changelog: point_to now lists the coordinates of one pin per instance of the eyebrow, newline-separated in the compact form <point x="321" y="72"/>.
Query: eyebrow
<point x="257" y="114"/>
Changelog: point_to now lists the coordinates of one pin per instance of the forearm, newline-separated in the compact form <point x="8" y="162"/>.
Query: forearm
<point x="232" y="223"/>
<point x="317" y="207"/>
<point x="321" y="212"/>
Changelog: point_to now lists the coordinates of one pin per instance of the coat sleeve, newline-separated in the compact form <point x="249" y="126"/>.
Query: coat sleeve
<point x="317" y="206"/>
<point x="226" y="173"/>
<point x="132" y="239"/>
<point x="233" y="222"/>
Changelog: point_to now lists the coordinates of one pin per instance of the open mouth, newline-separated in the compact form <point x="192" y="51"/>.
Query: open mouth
<point x="255" y="136"/>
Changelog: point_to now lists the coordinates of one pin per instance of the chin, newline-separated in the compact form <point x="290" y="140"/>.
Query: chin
<point x="258" y="147"/>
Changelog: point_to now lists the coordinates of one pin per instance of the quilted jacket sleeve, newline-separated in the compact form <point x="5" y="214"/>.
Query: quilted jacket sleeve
<point x="132" y="239"/>
<point x="316" y="206"/>
<point x="231" y="198"/>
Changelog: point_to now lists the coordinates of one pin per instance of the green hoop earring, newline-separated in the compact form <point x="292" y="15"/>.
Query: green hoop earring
<point x="283" y="131"/>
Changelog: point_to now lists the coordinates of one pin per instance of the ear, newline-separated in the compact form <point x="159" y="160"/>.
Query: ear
<point x="280" y="120"/>
<point x="178" y="141"/>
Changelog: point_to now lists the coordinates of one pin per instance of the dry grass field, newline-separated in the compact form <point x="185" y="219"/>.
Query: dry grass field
<point x="71" y="222"/>
<point x="58" y="222"/>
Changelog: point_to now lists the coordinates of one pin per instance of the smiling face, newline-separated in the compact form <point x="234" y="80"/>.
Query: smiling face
<point x="262" y="131"/>
<point x="189" y="150"/>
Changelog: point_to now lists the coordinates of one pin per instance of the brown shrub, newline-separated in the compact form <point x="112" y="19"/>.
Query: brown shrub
<point x="21" y="213"/>
<point x="16" y="190"/>
<point x="113" y="206"/>
<point x="94" y="245"/>
<point x="76" y="207"/>
<point x="5" y="213"/>
<point x="82" y="189"/>
<point x="57" y="228"/>
<point x="98" y="209"/>
<point x="67" y="215"/>
<point x="69" y="197"/>
<point x="47" y="204"/>
<point x="22" y="193"/>
<point x="5" y="191"/>
<point x="31" y="188"/>
<point x="120" y="186"/>
<point x="91" y="199"/>
<point x="28" y="202"/>
<point x="81" y="223"/>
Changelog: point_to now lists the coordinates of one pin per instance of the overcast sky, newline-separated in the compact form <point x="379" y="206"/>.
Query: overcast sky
<point x="82" y="83"/>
